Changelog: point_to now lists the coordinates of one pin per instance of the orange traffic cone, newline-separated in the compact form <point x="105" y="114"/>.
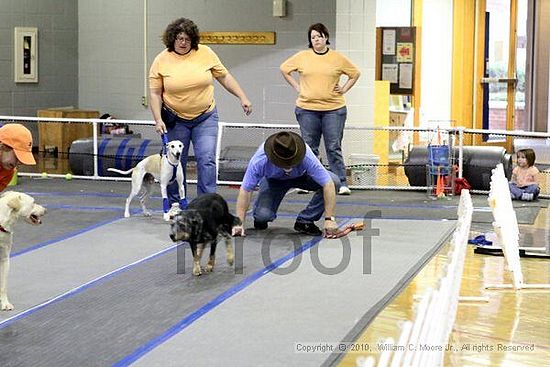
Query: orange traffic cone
<point x="439" y="187"/>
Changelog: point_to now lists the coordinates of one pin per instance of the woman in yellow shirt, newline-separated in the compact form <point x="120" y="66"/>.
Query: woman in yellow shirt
<point x="182" y="98"/>
<point x="321" y="107"/>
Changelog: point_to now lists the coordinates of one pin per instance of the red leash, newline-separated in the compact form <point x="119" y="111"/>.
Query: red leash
<point x="346" y="230"/>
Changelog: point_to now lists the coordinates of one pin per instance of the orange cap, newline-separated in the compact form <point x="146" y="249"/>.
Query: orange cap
<point x="19" y="138"/>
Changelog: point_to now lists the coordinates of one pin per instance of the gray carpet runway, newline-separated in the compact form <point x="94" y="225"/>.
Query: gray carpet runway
<point x="108" y="321"/>
<point x="261" y="325"/>
<point x="46" y="272"/>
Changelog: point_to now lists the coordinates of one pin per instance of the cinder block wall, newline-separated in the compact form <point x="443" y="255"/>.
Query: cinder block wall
<point x="112" y="66"/>
<point x="57" y="23"/>
<point x="356" y="38"/>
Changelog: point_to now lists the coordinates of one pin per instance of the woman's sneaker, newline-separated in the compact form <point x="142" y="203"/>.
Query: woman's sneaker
<point x="307" y="228"/>
<point x="344" y="190"/>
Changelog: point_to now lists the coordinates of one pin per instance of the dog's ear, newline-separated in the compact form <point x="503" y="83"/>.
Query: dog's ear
<point x="15" y="203"/>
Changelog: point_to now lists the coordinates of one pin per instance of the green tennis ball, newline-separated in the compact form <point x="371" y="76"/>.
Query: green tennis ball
<point x="68" y="177"/>
<point x="44" y="174"/>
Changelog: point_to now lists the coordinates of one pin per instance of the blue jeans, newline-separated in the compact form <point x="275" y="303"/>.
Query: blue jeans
<point x="329" y="124"/>
<point x="516" y="191"/>
<point x="272" y="192"/>
<point x="203" y="133"/>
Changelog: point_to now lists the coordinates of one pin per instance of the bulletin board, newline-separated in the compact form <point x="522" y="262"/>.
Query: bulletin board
<point x="395" y="49"/>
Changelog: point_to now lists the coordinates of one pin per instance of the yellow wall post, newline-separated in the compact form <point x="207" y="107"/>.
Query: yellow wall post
<point x="464" y="64"/>
<point x="382" y="119"/>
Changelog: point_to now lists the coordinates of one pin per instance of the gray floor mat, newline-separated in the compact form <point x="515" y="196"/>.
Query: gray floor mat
<point x="261" y="325"/>
<point x="40" y="275"/>
<point x="57" y="224"/>
<point x="108" y="321"/>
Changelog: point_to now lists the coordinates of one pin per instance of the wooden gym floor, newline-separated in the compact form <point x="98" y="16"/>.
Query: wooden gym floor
<point x="508" y="320"/>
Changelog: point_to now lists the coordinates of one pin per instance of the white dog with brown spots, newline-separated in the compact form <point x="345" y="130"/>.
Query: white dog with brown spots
<point x="13" y="205"/>
<point x="164" y="168"/>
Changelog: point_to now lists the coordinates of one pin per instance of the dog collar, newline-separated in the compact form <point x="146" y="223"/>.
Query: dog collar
<point x="2" y="229"/>
<point x="173" y="164"/>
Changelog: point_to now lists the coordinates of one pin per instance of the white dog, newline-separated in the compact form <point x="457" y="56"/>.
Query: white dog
<point x="164" y="168"/>
<point x="13" y="205"/>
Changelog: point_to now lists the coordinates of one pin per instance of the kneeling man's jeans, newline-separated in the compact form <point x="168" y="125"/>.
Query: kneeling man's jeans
<point x="272" y="192"/>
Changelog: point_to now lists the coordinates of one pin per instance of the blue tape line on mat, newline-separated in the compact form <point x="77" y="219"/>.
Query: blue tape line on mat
<point x="188" y="320"/>
<point x="100" y="153"/>
<point x="83" y="287"/>
<point x="129" y="158"/>
<point x="142" y="147"/>
<point x="120" y="153"/>
<point x="61" y="238"/>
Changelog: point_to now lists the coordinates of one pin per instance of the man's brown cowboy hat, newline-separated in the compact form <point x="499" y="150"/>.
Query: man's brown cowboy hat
<point x="285" y="149"/>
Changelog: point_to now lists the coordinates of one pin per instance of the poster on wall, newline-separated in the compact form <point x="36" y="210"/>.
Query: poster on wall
<point x="390" y="72"/>
<point x="389" y="42"/>
<point x="25" y="54"/>
<point x="405" y="76"/>
<point x="395" y="59"/>
<point x="404" y="52"/>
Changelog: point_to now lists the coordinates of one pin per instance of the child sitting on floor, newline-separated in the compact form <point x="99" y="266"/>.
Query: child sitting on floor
<point x="524" y="184"/>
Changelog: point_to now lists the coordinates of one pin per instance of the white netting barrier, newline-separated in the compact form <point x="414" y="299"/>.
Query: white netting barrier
<point x="506" y="229"/>
<point x="376" y="158"/>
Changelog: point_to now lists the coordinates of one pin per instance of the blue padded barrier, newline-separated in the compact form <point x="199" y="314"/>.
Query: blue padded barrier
<point x="113" y="151"/>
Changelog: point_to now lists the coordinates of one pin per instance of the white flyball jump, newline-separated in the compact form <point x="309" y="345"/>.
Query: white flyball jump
<point x="506" y="228"/>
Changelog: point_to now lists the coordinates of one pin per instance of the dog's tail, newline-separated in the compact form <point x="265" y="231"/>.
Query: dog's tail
<point x="119" y="171"/>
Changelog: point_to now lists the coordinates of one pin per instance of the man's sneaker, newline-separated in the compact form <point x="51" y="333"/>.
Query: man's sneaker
<point x="307" y="228"/>
<point x="260" y="225"/>
<point x="344" y="190"/>
<point x="527" y="196"/>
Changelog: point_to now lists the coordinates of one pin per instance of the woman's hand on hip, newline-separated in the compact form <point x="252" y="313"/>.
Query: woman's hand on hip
<point x="338" y="89"/>
<point x="160" y="127"/>
<point x="246" y="105"/>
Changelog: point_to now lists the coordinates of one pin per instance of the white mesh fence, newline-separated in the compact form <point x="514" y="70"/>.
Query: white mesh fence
<point x="375" y="158"/>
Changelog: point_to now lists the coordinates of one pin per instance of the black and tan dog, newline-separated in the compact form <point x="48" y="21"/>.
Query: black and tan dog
<point x="205" y="220"/>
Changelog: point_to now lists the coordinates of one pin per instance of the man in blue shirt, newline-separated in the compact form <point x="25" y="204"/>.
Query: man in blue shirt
<point x="283" y="162"/>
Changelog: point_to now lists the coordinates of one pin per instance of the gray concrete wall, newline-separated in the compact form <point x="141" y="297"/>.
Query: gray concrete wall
<point x="111" y="44"/>
<point x="57" y="23"/>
